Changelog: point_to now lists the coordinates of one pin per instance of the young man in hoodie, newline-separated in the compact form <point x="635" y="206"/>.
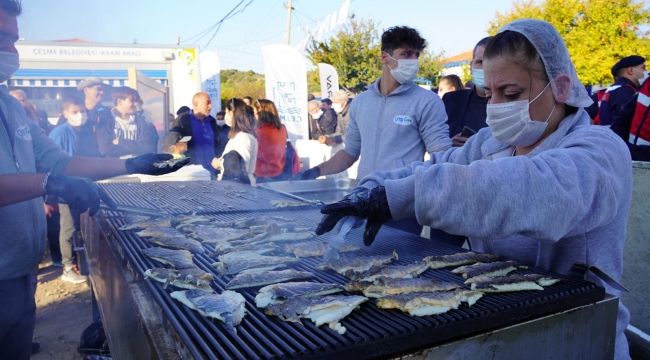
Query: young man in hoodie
<point x="121" y="133"/>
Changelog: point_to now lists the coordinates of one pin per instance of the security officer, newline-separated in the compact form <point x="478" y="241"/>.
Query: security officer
<point x="629" y="72"/>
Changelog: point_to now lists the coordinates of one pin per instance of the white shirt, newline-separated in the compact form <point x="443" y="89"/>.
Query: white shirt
<point x="246" y="146"/>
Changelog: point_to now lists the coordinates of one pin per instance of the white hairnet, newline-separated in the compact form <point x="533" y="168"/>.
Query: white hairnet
<point x="554" y="54"/>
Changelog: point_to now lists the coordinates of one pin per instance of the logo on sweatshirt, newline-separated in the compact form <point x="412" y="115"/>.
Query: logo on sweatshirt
<point x="24" y="133"/>
<point x="402" y="120"/>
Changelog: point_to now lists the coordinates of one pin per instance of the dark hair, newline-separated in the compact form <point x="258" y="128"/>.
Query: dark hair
<point x="310" y="97"/>
<point x="242" y="117"/>
<point x="123" y="92"/>
<point x="12" y="8"/>
<point x="515" y="47"/>
<point x="453" y="80"/>
<point x="267" y="113"/>
<point x="248" y="97"/>
<point x="482" y="42"/>
<point x="222" y="113"/>
<point x="401" y="36"/>
<point x="69" y="101"/>
<point x="327" y="101"/>
<point x="183" y="109"/>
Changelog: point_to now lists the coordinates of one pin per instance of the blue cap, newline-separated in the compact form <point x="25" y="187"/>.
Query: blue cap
<point x="633" y="60"/>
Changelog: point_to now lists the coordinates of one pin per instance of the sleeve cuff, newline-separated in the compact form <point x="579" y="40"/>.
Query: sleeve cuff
<point x="401" y="197"/>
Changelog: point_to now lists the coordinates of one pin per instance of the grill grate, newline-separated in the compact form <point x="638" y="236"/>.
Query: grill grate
<point x="371" y="332"/>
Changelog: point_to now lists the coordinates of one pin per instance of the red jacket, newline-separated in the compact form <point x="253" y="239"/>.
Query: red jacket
<point x="640" y="129"/>
<point x="272" y="147"/>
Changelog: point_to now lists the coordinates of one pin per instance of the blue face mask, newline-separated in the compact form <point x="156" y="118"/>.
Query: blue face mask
<point x="478" y="78"/>
<point x="9" y="64"/>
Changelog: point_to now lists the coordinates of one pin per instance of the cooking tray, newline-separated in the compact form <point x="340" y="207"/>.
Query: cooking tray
<point x="326" y="190"/>
<point x="371" y="332"/>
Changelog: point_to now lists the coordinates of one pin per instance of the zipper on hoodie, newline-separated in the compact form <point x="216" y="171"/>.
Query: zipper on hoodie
<point x="381" y="128"/>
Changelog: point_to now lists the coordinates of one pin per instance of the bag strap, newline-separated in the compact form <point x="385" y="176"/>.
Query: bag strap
<point x="579" y="271"/>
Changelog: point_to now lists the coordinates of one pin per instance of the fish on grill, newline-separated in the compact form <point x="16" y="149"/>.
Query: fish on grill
<point x="312" y="248"/>
<point x="276" y="293"/>
<point x="143" y="222"/>
<point x="282" y="226"/>
<point x="389" y="271"/>
<point x="266" y="277"/>
<point x="458" y="259"/>
<point x="246" y="223"/>
<point x="159" y="231"/>
<point x="429" y="303"/>
<point x="494" y="269"/>
<point x="213" y="234"/>
<point x="180" y="221"/>
<point x="192" y="278"/>
<point x="178" y="243"/>
<point x="356" y="263"/>
<point x="320" y="310"/>
<point x="511" y="283"/>
<point x="289" y="236"/>
<point x="227" y="307"/>
<point x="235" y="265"/>
<point x="260" y="249"/>
<point x="385" y="286"/>
<point x="179" y="259"/>
<point x="229" y="246"/>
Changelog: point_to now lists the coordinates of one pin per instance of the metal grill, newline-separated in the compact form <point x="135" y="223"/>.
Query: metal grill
<point x="371" y="332"/>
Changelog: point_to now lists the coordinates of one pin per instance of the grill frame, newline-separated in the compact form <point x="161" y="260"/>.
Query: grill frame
<point x="369" y="330"/>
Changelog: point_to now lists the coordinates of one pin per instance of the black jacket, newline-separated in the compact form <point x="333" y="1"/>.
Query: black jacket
<point x="183" y="127"/>
<point x="465" y="108"/>
<point x="147" y="136"/>
<point x="619" y="98"/>
<point x="327" y="123"/>
<point x="342" y="123"/>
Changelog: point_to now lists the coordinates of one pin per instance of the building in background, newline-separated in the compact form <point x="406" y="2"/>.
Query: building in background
<point x="454" y="65"/>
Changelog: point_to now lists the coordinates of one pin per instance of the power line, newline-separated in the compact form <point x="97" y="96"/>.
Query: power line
<point x="217" y="25"/>
<point x="226" y="17"/>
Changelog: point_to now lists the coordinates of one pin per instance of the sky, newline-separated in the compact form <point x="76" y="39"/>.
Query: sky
<point x="450" y="26"/>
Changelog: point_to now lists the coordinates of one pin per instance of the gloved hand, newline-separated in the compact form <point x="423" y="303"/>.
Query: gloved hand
<point x="310" y="174"/>
<point x="144" y="164"/>
<point x="79" y="193"/>
<point x="362" y="203"/>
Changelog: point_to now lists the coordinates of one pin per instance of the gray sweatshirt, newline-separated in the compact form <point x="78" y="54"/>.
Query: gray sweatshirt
<point x="22" y="240"/>
<point x="389" y="132"/>
<point x="565" y="202"/>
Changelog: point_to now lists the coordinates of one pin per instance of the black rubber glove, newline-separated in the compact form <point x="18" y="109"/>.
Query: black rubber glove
<point x="310" y="174"/>
<point x="363" y="203"/>
<point x="144" y="164"/>
<point x="79" y="194"/>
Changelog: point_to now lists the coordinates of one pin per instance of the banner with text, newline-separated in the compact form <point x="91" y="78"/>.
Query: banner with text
<point x="329" y="80"/>
<point x="286" y="85"/>
<point x="211" y="79"/>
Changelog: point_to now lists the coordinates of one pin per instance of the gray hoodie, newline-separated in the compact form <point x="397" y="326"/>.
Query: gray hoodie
<point x="22" y="240"/>
<point x="565" y="202"/>
<point x="389" y="132"/>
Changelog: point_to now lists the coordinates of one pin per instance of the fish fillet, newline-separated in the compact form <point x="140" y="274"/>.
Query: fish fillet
<point x="228" y="307"/>
<point x="178" y="243"/>
<point x="513" y="282"/>
<point x="276" y="293"/>
<point x="235" y="265"/>
<point x="246" y="223"/>
<point x="145" y="222"/>
<point x="266" y="277"/>
<point x="320" y="310"/>
<point x="179" y="259"/>
<point x="494" y="269"/>
<point x="463" y="258"/>
<point x="313" y="248"/>
<point x="186" y="220"/>
<point x="389" y="271"/>
<point x="355" y="263"/>
<point x="290" y="236"/>
<point x="192" y="278"/>
<point x="429" y="303"/>
<point x="257" y="248"/>
<point x="385" y="286"/>
<point x="213" y="234"/>
<point x="159" y="231"/>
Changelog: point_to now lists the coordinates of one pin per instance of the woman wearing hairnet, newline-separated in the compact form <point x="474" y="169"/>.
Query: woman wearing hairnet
<point x="540" y="186"/>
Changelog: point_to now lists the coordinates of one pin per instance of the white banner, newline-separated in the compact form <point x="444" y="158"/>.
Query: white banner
<point x="211" y="79"/>
<point x="285" y="74"/>
<point x="329" y="80"/>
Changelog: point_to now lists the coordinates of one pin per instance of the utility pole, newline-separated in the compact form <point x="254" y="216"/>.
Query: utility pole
<point x="289" y="8"/>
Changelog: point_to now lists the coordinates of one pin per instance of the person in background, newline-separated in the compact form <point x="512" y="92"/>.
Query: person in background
<point x="182" y="110"/>
<point x="248" y="100"/>
<point x="629" y="73"/>
<point x="76" y="140"/>
<point x="224" y="130"/>
<point x="469" y="84"/>
<point x="310" y="97"/>
<point x="466" y="108"/>
<point x="121" y="133"/>
<point x="32" y="111"/>
<point x="93" y="89"/>
<point x="240" y="155"/>
<point x="272" y="143"/>
<point x="449" y="83"/>
<point x="633" y="124"/>
<point x="341" y="105"/>
<point x="170" y="121"/>
<point x="327" y="123"/>
<point x="314" y="112"/>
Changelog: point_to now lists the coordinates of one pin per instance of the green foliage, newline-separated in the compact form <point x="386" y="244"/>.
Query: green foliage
<point x="597" y="32"/>
<point x="237" y="84"/>
<point x="430" y="65"/>
<point x="313" y="81"/>
<point x="467" y="74"/>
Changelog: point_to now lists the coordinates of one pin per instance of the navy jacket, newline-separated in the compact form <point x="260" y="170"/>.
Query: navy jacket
<point x="465" y="108"/>
<point x="618" y="98"/>
<point x="622" y="127"/>
<point x="147" y="136"/>
<point x="183" y="127"/>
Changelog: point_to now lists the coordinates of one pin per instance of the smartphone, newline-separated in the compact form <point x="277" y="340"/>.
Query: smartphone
<point x="467" y="132"/>
<point x="185" y="139"/>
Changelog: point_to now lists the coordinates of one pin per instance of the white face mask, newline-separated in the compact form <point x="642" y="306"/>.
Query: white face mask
<point x="317" y="115"/>
<point x="9" y="64"/>
<point x="337" y="107"/>
<point x="644" y="77"/>
<point x="511" y="123"/>
<point x="221" y="122"/>
<point x="406" y="70"/>
<point x="78" y="119"/>
<point x="478" y="78"/>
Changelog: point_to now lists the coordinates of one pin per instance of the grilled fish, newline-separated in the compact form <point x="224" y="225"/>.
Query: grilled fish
<point x="389" y="271"/>
<point x="281" y="225"/>
<point x="289" y="236"/>
<point x="386" y="286"/>
<point x="178" y="243"/>
<point x="257" y="248"/>
<point x="463" y="258"/>
<point x="511" y="283"/>
<point x="159" y="231"/>
<point x="266" y="277"/>
<point x="145" y="222"/>
<point x="186" y="220"/>
<point x="235" y="265"/>
<point x="312" y="248"/>
<point x="213" y="234"/>
<point x="179" y="259"/>
<point x="227" y="307"/>
<point x="229" y="246"/>
<point x="246" y="223"/>
<point x="320" y="310"/>
<point x="192" y="278"/>
<point x="355" y="263"/>
<point x="495" y="269"/>
<point x="276" y="293"/>
<point x="429" y="303"/>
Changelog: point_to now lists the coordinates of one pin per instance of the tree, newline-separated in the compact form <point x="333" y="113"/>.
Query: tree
<point x="237" y="84"/>
<point x="430" y="64"/>
<point x="597" y="32"/>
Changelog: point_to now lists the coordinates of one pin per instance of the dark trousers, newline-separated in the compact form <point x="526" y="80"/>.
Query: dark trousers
<point x="410" y="225"/>
<point x="447" y="238"/>
<point x="17" y="317"/>
<point x="65" y="236"/>
<point x="53" y="229"/>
